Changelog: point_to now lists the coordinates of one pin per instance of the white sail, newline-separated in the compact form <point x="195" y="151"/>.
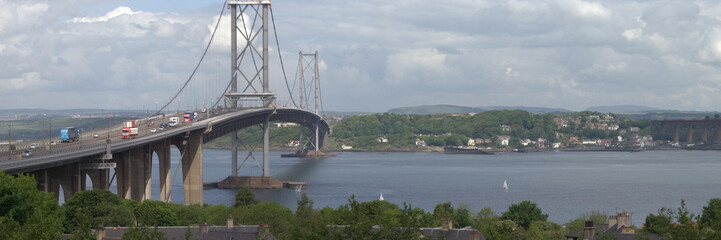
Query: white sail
<point x="298" y="188"/>
<point x="381" y="198"/>
<point x="505" y="185"/>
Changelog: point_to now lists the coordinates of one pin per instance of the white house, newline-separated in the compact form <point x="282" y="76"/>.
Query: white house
<point x="504" y="139"/>
<point x="420" y="143"/>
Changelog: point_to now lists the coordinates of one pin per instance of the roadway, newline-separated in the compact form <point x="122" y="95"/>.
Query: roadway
<point x="89" y="147"/>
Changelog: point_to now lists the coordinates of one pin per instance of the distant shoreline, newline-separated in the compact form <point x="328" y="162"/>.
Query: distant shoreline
<point x="439" y="150"/>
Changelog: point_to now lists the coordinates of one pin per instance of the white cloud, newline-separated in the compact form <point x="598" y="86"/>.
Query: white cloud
<point x="112" y="14"/>
<point x="26" y="81"/>
<point x="632" y="34"/>
<point x="556" y="53"/>
<point x="586" y="8"/>
<point x="416" y="65"/>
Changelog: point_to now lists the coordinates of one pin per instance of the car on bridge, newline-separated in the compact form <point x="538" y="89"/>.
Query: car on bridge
<point x="96" y="135"/>
<point x="27" y="153"/>
<point x="53" y="142"/>
<point x="153" y="130"/>
<point x="34" y="145"/>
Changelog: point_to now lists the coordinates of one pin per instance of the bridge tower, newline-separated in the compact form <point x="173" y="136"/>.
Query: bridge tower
<point x="308" y="62"/>
<point x="251" y="66"/>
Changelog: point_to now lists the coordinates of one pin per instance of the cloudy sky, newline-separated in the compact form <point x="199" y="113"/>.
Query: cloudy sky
<point x="377" y="55"/>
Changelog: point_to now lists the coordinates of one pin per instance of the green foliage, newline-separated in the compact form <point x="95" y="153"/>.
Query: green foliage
<point x="544" y="230"/>
<point x="685" y="227"/>
<point x="362" y="216"/>
<point x="97" y="208"/>
<point x="524" y="214"/>
<point x="277" y="216"/>
<point x="578" y="223"/>
<point x="217" y="214"/>
<point x="278" y="137"/>
<point x="245" y="197"/>
<point x="711" y="214"/>
<point x="660" y="223"/>
<point x="156" y="213"/>
<point x="307" y="223"/>
<point x="142" y="232"/>
<point x="25" y="212"/>
<point x="193" y="214"/>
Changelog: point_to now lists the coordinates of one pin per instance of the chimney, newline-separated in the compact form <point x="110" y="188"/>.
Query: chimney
<point x="623" y="219"/>
<point x="447" y="224"/>
<point x="204" y="228"/>
<point x="612" y="221"/>
<point x="230" y="221"/>
<point x="474" y="236"/>
<point x="100" y="233"/>
<point x="589" y="230"/>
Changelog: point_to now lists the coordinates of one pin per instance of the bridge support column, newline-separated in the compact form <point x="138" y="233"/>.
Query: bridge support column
<point x="99" y="177"/>
<point x="689" y="137"/>
<point x="317" y="147"/>
<point x="234" y="154"/>
<point x="266" y="145"/>
<point x="42" y="181"/>
<point x="704" y="134"/>
<point x="141" y="169"/>
<point x="192" y="162"/>
<point x="123" y="173"/>
<point x="133" y="173"/>
<point x="675" y="133"/>
<point x="163" y="151"/>
<point x="68" y="177"/>
<point x="325" y="138"/>
<point x="718" y="133"/>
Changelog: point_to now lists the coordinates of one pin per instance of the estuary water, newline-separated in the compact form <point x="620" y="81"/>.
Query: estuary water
<point x="563" y="184"/>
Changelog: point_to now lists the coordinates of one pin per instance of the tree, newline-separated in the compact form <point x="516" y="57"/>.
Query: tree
<point x="142" y="232"/>
<point x="443" y="211"/>
<point x="307" y="221"/>
<point x="711" y="215"/>
<point x="25" y="212"/>
<point x="155" y="213"/>
<point x="277" y="216"/>
<point x="524" y="214"/>
<point x="578" y="223"/>
<point x="660" y="223"/>
<point x="245" y="197"/>
<point x="98" y="207"/>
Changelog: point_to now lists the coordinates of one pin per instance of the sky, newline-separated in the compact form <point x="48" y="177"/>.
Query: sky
<point x="377" y="55"/>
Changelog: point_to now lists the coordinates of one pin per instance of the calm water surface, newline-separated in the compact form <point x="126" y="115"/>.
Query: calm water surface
<point x="563" y="184"/>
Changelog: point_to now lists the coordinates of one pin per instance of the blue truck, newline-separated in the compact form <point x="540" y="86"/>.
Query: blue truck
<point x="69" y="134"/>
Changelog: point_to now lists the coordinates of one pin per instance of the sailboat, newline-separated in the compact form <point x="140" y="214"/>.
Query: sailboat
<point x="505" y="185"/>
<point x="381" y="198"/>
<point x="298" y="188"/>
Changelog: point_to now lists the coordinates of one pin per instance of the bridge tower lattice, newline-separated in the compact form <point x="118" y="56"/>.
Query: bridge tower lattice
<point x="251" y="66"/>
<point x="309" y="80"/>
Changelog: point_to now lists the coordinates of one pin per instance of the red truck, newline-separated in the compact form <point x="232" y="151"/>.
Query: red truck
<point x="129" y="130"/>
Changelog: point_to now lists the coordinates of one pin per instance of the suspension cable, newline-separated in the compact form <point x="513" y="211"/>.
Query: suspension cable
<point x="212" y="36"/>
<point x="290" y="93"/>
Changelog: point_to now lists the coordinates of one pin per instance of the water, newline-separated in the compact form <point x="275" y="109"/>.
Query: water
<point x="563" y="184"/>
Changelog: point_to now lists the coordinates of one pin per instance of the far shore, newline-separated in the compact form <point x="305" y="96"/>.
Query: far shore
<point x="440" y="150"/>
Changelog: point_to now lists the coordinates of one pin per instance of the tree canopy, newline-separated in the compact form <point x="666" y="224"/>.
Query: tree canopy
<point x="524" y="214"/>
<point x="25" y="212"/>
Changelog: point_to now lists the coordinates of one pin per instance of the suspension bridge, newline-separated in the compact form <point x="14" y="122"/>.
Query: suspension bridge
<point x="227" y="90"/>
